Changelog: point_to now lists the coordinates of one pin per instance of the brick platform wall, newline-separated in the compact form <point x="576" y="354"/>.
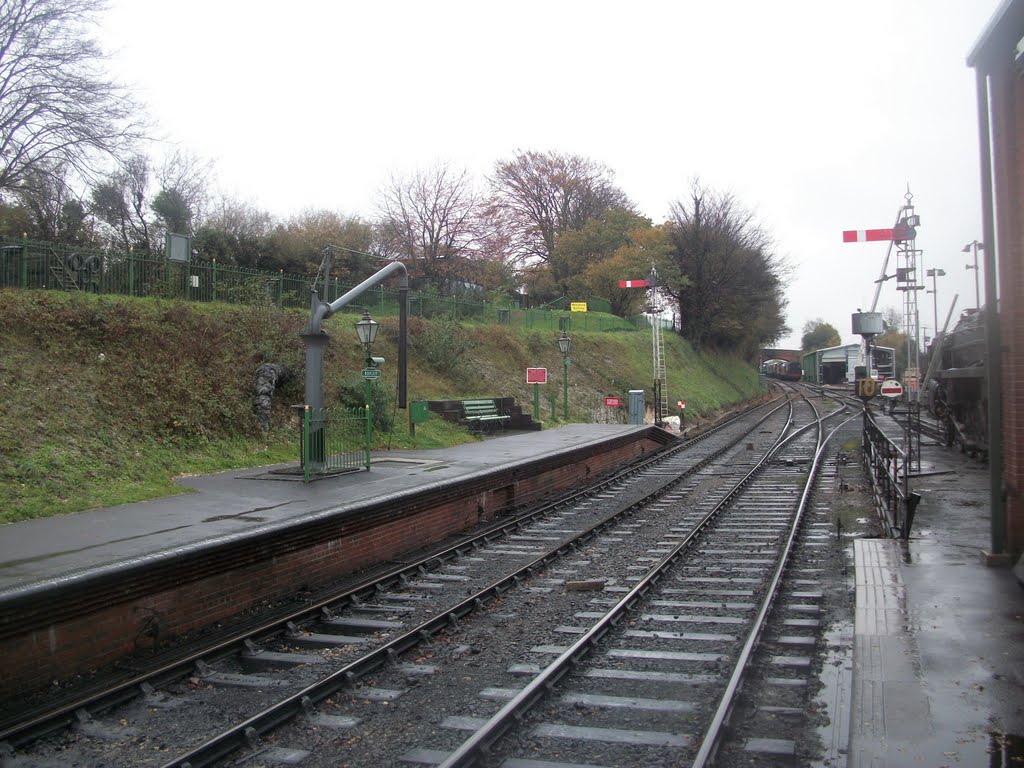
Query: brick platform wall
<point x="66" y="629"/>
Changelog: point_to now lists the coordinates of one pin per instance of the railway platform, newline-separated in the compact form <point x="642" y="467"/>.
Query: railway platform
<point x="938" y="639"/>
<point x="237" y="503"/>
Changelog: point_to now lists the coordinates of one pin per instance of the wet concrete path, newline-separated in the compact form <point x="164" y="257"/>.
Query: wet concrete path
<point x="938" y="661"/>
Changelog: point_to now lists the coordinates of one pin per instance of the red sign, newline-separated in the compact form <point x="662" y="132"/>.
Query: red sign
<point x="873" y="235"/>
<point x="891" y="388"/>
<point x="536" y="375"/>
<point x="682" y="405"/>
<point x="612" y="402"/>
<point x="632" y="283"/>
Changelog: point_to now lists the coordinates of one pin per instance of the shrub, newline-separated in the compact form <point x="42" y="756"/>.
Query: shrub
<point x="351" y="394"/>
<point x="443" y="344"/>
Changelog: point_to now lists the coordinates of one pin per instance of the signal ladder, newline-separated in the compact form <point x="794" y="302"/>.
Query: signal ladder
<point x="660" y="378"/>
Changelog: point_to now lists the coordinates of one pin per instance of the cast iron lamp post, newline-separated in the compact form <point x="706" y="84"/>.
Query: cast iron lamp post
<point x="366" y="328"/>
<point x="564" y="343"/>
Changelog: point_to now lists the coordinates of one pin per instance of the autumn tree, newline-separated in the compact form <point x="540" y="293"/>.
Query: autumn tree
<point x="817" y="334"/>
<point x="297" y="244"/>
<point x="597" y="239"/>
<point x="428" y="220"/>
<point x="537" y="196"/>
<point x="733" y="294"/>
<point x="494" y="264"/>
<point x="645" y="246"/>
<point x="58" y="111"/>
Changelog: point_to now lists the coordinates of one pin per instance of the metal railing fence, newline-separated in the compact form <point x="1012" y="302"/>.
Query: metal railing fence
<point x="888" y="469"/>
<point x="53" y="266"/>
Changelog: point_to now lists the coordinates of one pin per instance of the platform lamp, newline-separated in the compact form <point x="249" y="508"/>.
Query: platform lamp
<point x="934" y="273"/>
<point x="564" y="343"/>
<point x="366" y="329"/>
<point x="975" y="246"/>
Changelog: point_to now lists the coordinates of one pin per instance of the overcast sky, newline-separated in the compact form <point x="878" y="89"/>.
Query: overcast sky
<point x="816" y="115"/>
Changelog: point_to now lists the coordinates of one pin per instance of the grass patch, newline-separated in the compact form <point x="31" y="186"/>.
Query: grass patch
<point x="108" y="399"/>
<point x="57" y="478"/>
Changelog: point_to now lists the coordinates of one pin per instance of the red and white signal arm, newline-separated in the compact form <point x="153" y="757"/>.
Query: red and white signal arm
<point x="891" y="388"/>
<point x="633" y="284"/>
<point x="682" y="405"/>
<point x="536" y="375"/>
<point x="899" y="234"/>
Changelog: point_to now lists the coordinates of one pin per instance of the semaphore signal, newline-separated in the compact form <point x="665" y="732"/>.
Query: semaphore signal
<point x="897" y="234"/>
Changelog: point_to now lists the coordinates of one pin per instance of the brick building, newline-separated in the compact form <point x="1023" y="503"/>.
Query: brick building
<point x="998" y="61"/>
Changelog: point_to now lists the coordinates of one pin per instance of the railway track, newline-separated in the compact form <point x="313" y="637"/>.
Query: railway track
<point x="683" y="536"/>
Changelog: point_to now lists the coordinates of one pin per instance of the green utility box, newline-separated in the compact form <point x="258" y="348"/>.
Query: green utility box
<point x="418" y="414"/>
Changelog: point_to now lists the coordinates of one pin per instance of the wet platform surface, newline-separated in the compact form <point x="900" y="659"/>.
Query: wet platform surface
<point x="239" y="503"/>
<point x="938" y="658"/>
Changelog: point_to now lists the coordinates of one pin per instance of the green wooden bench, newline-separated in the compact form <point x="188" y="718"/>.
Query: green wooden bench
<point x="482" y="413"/>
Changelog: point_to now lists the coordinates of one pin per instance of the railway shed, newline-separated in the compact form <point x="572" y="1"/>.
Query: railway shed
<point x="837" y="365"/>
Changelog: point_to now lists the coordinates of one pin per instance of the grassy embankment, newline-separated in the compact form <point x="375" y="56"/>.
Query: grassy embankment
<point x="107" y="400"/>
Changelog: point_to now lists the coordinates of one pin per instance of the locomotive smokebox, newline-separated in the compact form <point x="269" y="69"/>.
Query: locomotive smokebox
<point x="867" y="324"/>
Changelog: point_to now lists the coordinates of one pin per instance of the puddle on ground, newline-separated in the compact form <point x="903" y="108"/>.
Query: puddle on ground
<point x="243" y="518"/>
<point x="833" y="699"/>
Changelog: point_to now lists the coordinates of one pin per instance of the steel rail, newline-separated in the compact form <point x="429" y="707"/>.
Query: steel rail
<point x="39" y="724"/>
<point x="476" y="747"/>
<point x="712" y="736"/>
<point x="240" y="734"/>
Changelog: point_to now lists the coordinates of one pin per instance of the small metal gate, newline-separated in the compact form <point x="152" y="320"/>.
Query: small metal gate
<point x="334" y="440"/>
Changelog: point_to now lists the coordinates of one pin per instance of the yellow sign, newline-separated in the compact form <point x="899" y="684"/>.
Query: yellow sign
<point x="578" y="306"/>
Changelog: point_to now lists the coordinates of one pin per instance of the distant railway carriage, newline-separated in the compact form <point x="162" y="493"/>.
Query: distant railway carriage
<point x="786" y="370"/>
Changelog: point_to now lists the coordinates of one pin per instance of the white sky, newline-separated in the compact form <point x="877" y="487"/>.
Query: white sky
<point x="815" y="114"/>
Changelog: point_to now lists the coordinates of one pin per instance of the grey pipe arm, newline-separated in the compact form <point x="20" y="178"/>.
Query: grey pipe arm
<point x="322" y="311"/>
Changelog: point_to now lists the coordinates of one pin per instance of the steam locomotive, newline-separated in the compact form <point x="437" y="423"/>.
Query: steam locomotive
<point x="957" y="395"/>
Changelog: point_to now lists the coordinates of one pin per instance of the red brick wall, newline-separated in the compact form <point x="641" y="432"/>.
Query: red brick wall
<point x="67" y="631"/>
<point x="1007" y="96"/>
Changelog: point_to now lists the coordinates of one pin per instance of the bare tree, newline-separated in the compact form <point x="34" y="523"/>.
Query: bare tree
<point x="53" y="209"/>
<point x="429" y="220"/>
<point x="892" y="320"/>
<point x="120" y="202"/>
<point x="539" y="195"/>
<point x="57" y="108"/>
<point x="184" y="180"/>
<point x="235" y="232"/>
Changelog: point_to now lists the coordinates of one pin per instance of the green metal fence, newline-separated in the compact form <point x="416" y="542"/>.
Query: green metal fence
<point x="52" y="266"/>
<point x="334" y="440"/>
